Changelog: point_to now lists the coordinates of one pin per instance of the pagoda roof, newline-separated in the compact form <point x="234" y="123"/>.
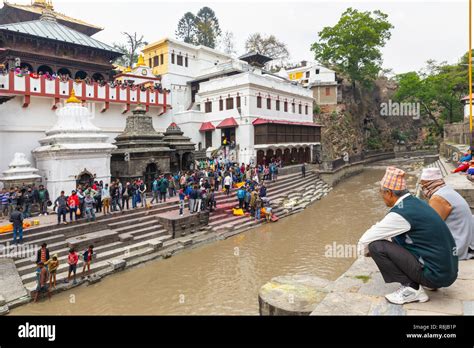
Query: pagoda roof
<point x="11" y="13"/>
<point x="255" y="58"/>
<point x="49" y="28"/>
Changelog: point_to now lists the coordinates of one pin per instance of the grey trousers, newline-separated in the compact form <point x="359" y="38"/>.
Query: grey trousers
<point x="397" y="264"/>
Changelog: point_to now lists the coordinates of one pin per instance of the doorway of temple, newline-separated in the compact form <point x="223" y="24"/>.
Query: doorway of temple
<point x="151" y="172"/>
<point x="85" y="178"/>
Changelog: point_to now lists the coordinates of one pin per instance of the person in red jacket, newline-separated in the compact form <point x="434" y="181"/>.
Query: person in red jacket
<point x="73" y="203"/>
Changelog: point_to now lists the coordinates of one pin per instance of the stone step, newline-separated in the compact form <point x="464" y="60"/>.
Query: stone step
<point x="80" y="226"/>
<point x="28" y="265"/>
<point x="133" y="225"/>
<point x="47" y="240"/>
<point x="100" y="256"/>
<point x="150" y="235"/>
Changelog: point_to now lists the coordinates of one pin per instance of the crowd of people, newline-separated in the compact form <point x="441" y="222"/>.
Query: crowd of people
<point x="465" y="164"/>
<point x="198" y="187"/>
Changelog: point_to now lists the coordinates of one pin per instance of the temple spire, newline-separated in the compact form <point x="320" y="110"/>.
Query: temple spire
<point x="140" y="60"/>
<point x="72" y="98"/>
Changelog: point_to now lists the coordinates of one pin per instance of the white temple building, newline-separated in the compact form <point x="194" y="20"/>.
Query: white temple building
<point x="74" y="150"/>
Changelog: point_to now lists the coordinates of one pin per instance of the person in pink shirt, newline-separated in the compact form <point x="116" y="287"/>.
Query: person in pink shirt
<point x="72" y="260"/>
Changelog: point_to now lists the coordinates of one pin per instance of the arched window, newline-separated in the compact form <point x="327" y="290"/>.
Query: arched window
<point x="26" y="66"/>
<point x="45" y="69"/>
<point x="81" y="75"/>
<point x="98" y="77"/>
<point x="64" y="71"/>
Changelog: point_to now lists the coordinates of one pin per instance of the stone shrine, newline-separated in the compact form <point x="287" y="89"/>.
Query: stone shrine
<point x="141" y="152"/>
<point x="182" y="155"/>
<point x="74" y="151"/>
<point x="20" y="172"/>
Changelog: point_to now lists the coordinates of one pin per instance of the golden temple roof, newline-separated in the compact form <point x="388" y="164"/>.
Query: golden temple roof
<point x="72" y="98"/>
<point x="140" y="60"/>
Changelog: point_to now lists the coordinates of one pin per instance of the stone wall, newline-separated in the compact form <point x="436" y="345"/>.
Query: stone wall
<point x="181" y="226"/>
<point x="333" y="178"/>
<point x="457" y="133"/>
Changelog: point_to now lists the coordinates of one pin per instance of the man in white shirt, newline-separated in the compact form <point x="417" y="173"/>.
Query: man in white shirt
<point x="421" y="251"/>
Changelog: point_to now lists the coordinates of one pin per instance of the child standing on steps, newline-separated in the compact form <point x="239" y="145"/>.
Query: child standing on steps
<point x="53" y="265"/>
<point x="72" y="260"/>
<point x="87" y="259"/>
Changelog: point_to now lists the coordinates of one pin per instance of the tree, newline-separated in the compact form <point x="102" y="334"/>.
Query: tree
<point x="353" y="45"/>
<point x="187" y="28"/>
<point x="227" y="43"/>
<point x="129" y="49"/>
<point x="207" y="27"/>
<point x="438" y="89"/>
<point x="269" y="46"/>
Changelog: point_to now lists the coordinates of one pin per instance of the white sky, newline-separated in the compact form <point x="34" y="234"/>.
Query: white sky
<point x="423" y="29"/>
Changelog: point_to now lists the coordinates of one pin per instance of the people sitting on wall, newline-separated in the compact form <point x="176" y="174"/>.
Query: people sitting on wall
<point x="422" y="250"/>
<point x="452" y="208"/>
<point x="470" y="171"/>
<point x="463" y="163"/>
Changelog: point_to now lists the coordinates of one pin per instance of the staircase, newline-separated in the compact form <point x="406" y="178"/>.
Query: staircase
<point x="133" y="233"/>
<point x="223" y="221"/>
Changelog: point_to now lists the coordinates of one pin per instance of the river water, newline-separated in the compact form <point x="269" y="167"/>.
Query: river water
<point x="224" y="277"/>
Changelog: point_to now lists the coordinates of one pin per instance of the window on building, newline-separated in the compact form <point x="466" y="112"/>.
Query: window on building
<point x="293" y="107"/>
<point x="186" y="61"/>
<point x="300" y="108"/>
<point x="172" y="58"/>
<point x="277" y="105"/>
<point x="162" y="59"/>
<point x="317" y="71"/>
<point x="149" y="62"/>
<point x="307" y="74"/>
<point x="237" y="101"/>
<point x="155" y="61"/>
<point x="269" y="103"/>
<point x="285" y="106"/>
<point x="259" y="102"/>
<point x="306" y="109"/>
<point x="179" y="60"/>
<point x="208" y="106"/>
<point x="221" y="104"/>
<point x="229" y="103"/>
<point x="208" y="139"/>
<point x="328" y="91"/>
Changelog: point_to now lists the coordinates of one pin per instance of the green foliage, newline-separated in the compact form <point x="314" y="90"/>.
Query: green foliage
<point x="399" y="135"/>
<point x="201" y="29"/>
<point x="316" y="109"/>
<point x="207" y="26"/>
<point x="353" y="45"/>
<point x="438" y="88"/>
<point x="187" y="28"/>
<point x="374" y="141"/>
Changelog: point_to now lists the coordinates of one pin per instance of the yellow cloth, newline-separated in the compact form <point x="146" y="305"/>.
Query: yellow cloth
<point x="9" y="227"/>
<point x="237" y="212"/>
<point x="239" y="184"/>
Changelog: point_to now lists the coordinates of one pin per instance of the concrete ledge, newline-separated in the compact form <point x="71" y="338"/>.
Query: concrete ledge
<point x="292" y="295"/>
<point x="117" y="264"/>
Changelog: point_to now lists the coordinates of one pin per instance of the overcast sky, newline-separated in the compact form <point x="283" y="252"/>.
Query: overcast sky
<point x="423" y="30"/>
